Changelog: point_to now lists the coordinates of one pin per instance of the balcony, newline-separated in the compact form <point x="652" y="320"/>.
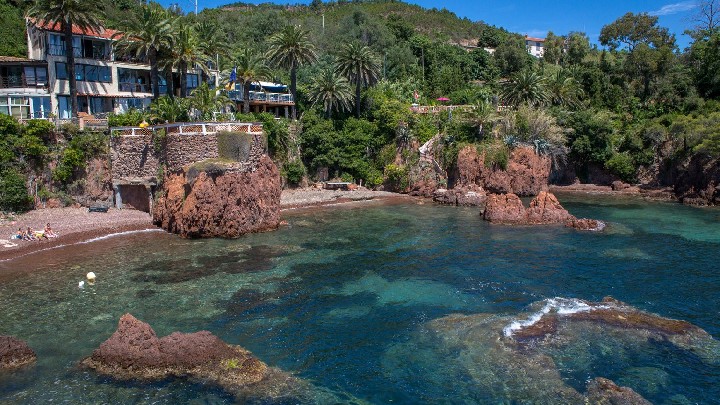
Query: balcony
<point x="135" y="87"/>
<point x="13" y="82"/>
<point x="263" y="97"/>
<point x="79" y="52"/>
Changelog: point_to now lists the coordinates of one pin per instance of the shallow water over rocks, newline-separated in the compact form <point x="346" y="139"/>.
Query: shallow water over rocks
<point x="373" y="303"/>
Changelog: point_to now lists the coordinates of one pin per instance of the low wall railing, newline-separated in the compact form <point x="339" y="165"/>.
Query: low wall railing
<point x="191" y="128"/>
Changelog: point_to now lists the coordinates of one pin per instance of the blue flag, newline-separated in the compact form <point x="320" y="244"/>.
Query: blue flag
<point x="233" y="74"/>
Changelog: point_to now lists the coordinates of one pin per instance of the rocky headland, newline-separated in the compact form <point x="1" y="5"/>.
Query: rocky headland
<point x="15" y="353"/>
<point x="211" y="199"/>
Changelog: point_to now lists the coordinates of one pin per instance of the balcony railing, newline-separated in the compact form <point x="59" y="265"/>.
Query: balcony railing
<point x="261" y="96"/>
<point x="135" y="87"/>
<point x="59" y="50"/>
<point x="11" y="82"/>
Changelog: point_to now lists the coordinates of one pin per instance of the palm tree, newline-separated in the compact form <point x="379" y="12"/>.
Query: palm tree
<point x="84" y="14"/>
<point x="332" y="90"/>
<point x="169" y="109"/>
<point x="211" y="39"/>
<point x="526" y="87"/>
<point x="565" y="90"/>
<point x="250" y="67"/>
<point x="146" y="37"/>
<point x="291" y="48"/>
<point x="359" y="64"/>
<point x="187" y="51"/>
<point x="207" y="100"/>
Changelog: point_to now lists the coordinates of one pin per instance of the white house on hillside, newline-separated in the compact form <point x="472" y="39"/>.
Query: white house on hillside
<point x="535" y="46"/>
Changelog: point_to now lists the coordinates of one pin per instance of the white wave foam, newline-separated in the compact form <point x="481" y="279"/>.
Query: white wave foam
<point x="112" y="235"/>
<point x="561" y="306"/>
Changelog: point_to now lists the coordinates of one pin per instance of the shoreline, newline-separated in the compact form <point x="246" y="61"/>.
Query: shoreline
<point x="77" y="225"/>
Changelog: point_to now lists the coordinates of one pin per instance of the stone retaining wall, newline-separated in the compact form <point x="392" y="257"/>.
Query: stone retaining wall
<point x="136" y="158"/>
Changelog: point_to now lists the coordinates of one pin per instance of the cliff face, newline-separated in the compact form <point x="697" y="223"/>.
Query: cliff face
<point x="696" y="180"/>
<point x="226" y="203"/>
<point x="526" y="174"/>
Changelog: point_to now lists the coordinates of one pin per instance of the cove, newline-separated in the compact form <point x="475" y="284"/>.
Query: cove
<point x="349" y="298"/>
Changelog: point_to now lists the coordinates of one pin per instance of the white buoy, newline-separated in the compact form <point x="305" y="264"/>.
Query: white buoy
<point x="90" y="277"/>
<point x="81" y="284"/>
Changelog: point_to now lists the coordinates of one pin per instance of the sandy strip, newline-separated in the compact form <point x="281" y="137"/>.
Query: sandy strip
<point x="72" y="224"/>
<point x="655" y="194"/>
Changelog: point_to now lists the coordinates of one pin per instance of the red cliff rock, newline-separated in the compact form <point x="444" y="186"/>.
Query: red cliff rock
<point x="223" y="202"/>
<point x="14" y="353"/>
<point x="546" y="209"/>
<point x="526" y="173"/>
<point x="505" y="209"/>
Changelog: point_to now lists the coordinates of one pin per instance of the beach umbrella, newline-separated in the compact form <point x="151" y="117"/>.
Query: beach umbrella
<point x="443" y="99"/>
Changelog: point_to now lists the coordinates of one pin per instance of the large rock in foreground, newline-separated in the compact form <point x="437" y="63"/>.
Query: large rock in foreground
<point x="134" y="352"/>
<point x="220" y="201"/>
<point x="602" y="391"/>
<point x="14" y="353"/>
<point x="545" y="209"/>
<point x="526" y="173"/>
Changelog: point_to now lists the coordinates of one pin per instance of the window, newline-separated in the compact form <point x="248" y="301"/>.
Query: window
<point x="36" y="75"/>
<point x="17" y="107"/>
<point x="88" y="73"/>
<point x="192" y="81"/>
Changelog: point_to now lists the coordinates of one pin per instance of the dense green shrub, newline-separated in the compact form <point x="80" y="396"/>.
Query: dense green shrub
<point x="131" y="118"/>
<point x="293" y="172"/>
<point x="42" y="129"/>
<point x="13" y="191"/>
<point x="621" y="165"/>
<point x="397" y="178"/>
<point x="497" y="154"/>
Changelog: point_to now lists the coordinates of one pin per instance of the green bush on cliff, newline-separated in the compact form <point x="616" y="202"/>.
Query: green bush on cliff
<point x="13" y="191"/>
<point x="131" y="118"/>
<point x="293" y="172"/>
<point x="621" y="165"/>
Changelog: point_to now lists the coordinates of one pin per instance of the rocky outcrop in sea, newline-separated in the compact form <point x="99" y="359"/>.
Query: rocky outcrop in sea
<point x="545" y="209"/>
<point x="220" y="200"/>
<point x="15" y="353"/>
<point x="134" y="352"/>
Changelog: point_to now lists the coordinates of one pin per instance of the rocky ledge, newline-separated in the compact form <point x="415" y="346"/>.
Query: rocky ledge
<point x="14" y="353"/>
<point x="135" y="352"/>
<point x="211" y="199"/>
<point x="544" y="209"/>
<point x="603" y="391"/>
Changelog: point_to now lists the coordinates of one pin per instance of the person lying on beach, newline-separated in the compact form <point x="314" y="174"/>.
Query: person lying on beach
<point x="28" y="234"/>
<point x="49" y="232"/>
<point x="18" y="235"/>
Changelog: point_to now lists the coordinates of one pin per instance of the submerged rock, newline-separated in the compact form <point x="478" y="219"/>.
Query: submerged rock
<point x="492" y="358"/>
<point x="135" y="352"/>
<point x="544" y="209"/>
<point x="15" y="353"/>
<point x="602" y="391"/>
<point x="220" y="201"/>
<point x="461" y="196"/>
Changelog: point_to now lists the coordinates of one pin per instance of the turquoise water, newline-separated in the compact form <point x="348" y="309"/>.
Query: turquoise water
<point x="350" y="299"/>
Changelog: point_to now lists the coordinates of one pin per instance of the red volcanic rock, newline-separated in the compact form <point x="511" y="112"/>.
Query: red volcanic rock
<point x="505" y="209"/>
<point x="526" y="173"/>
<point x="135" y="352"/>
<point x="466" y="197"/>
<point x="220" y="203"/>
<point x="546" y="209"/>
<point x="605" y="392"/>
<point x="14" y="353"/>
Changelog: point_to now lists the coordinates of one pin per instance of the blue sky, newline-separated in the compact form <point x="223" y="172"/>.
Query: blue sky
<point x="535" y="18"/>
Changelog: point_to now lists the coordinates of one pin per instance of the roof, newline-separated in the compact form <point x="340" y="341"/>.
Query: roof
<point x="105" y="33"/>
<point x="14" y="59"/>
<point x="534" y="39"/>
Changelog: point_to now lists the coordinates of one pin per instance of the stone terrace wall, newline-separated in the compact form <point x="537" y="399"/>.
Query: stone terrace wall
<point x="134" y="157"/>
<point x="181" y="150"/>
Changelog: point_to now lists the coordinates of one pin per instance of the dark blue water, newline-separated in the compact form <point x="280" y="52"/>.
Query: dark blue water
<point x="343" y="297"/>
